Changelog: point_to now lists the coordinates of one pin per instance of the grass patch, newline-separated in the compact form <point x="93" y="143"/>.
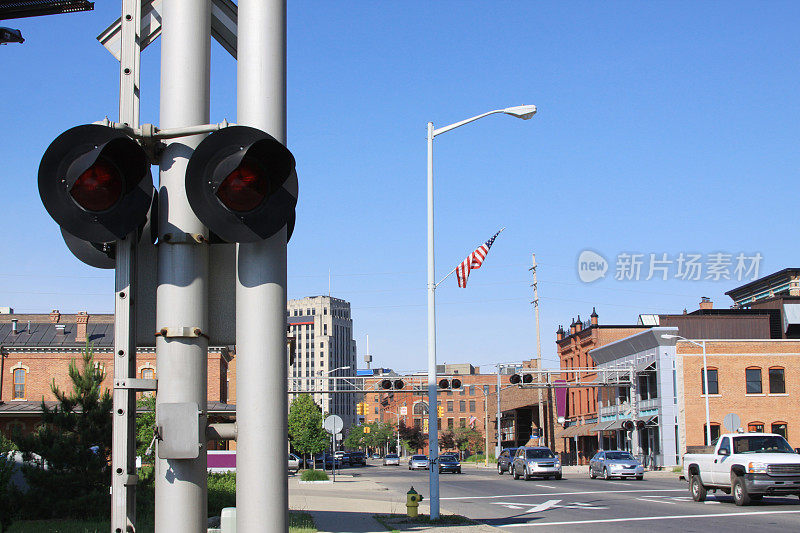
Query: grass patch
<point x="313" y="475"/>
<point x="298" y="523"/>
<point x="677" y="469"/>
<point x="397" y="522"/>
<point x="301" y="523"/>
<point x="478" y="458"/>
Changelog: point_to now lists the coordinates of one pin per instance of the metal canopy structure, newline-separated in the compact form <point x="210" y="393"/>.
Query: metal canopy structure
<point x="17" y="9"/>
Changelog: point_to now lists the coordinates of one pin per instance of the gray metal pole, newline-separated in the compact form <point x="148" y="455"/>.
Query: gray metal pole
<point x="433" y="413"/>
<point x="123" y="456"/>
<point x="181" y="300"/>
<point x="499" y="438"/>
<point x="262" y="491"/>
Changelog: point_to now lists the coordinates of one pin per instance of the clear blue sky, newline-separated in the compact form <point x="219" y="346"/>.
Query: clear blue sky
<point x="662" y="128"/>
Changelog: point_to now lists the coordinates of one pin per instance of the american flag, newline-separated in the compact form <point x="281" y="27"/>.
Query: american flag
<point x="474" y="261"/>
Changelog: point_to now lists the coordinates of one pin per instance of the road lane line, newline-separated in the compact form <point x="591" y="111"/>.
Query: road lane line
<point x="643" y="518"/>
<point x="542" y="506"/>
<point x="656" y="501"/>
<point x="546" y="486"/>
<point x="545" y="494"/>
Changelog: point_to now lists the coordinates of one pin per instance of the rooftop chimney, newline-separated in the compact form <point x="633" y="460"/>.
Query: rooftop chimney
<point x="55" y="316"/>
<point x="60" y="329"/>
<point x="578" y="324"/>
<point x="560" y="333"/>
<point x="14" y="325"/>
<point x="572" y="328"/>
<point x="706" y="303"/>
<point x="82" y="319"/>
<point x="593" y="316"/>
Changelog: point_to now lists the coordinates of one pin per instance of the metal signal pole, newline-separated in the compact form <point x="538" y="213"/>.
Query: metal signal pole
<point x="123" y="455"/>
<point x="182" y="294"/>
<point x="262" y="491"/>
<point x="538" y="347"/>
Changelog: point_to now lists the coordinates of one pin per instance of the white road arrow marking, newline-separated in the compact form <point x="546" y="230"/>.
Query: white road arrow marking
<point x="543" y="506"/>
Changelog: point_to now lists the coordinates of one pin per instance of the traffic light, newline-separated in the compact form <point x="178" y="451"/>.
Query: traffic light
<point x="627" y="425"/>
<point x="367" y="429"/>
<point x="640" y="424"/>
<point x="392" y="384"/>
<point x="439" y="411"/>
<point x="361" y="408"/>
<point x="448" y="383"/>
<point x="96" y="184"/>
<point x="516" y="379"/>
<point x="242" y="184"/>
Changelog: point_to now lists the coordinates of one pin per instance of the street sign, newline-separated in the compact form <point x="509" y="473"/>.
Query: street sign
<point x="333" y="424"/>
<point x="732" y="422"/>
<point x="404" y="411"/>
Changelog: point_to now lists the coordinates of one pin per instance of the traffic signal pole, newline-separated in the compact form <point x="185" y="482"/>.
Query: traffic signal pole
<point x="181" y="298"/>
<point x="123" y="456"/>
<point x="262" y="493"/>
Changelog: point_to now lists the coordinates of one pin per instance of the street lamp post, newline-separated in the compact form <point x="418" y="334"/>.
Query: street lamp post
<point x="701" y="344"/>
<point x="524" y="112"/>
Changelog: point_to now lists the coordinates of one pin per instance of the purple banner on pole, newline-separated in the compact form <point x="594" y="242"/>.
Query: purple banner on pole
<point x="561" y="398"/>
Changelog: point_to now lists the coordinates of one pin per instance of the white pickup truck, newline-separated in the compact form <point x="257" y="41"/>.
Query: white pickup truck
<point x="747" y="465"/>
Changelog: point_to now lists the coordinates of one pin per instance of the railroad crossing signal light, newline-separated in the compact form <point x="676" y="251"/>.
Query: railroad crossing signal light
<point x="392" y="384"/>
<point x="95" y="182"/>
<point x="242" y="184"/>
<point x="453" y="383"/>
<point x="516" y="379"/>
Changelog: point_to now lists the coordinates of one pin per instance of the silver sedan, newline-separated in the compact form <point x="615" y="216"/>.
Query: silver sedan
<point x="418" y="462"/>
<point x="391" y="459"/>
<point x="615" y="463"/>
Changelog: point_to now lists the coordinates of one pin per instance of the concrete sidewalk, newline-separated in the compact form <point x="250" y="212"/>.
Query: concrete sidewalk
<point x="350" y="504"/>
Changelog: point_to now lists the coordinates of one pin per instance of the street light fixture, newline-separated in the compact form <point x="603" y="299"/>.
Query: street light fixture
<point x="702" y="344"/>
<point x="524" y="112"/>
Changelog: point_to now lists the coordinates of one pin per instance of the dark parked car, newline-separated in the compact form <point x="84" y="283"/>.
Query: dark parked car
<point x="323" y="461"/>
<point x="358" y="458"/>
<point x="505" y="460"/>
<point x="449" y="463"/>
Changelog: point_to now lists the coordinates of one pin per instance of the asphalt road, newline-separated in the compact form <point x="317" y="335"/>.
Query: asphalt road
<point x="576" y="503"/>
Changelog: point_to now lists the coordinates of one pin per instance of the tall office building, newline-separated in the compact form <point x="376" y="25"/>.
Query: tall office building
<point x="323" y="331"/>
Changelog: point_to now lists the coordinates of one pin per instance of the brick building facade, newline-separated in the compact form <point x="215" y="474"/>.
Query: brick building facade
<point x="757" y="379"/>
<point x="573" y="352"/>
<point x="36" y="350"/>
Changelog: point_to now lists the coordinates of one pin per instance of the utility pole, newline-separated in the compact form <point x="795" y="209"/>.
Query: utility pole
<point x="499" y="437"/>
<point x="262" y="490"/>
<point x="183" y="265"/>
<point x="538" y="348"/>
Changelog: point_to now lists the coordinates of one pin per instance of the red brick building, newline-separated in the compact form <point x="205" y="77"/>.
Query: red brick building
<point x="36" y="350"/>
<point x="573" y="353"/>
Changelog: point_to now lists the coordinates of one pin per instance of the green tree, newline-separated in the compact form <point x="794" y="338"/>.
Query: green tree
<point x="8" y="500"/>
<point x="145" y="422"/>
<point x="66" y="459"/>
<point x="446" y="440"/>
<point x="412" y="438"/>
<point x="468" y="439"/>
<point x="355" y="438"/>
<point x="305" y="426"/>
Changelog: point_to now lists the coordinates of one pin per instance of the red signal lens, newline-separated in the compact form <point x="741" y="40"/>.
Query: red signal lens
<point x="245" y="188"/>
<point x="98" y="188"/>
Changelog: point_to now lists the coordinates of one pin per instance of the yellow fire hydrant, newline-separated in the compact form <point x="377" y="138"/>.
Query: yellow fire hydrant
<point x="412" y="502"/>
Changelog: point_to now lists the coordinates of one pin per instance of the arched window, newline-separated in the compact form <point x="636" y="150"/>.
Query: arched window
<point x="756" y="427"/>
<point x="781" y="428"/>
<point x="148" y="373"/>
<point x="753" y="380"/>
<point x="714" y="433"/>
<point x="19" y="384"/>
<point x="713" y="381"/>
<point x="777" y="380"/>
<point x="420" y="408"/>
